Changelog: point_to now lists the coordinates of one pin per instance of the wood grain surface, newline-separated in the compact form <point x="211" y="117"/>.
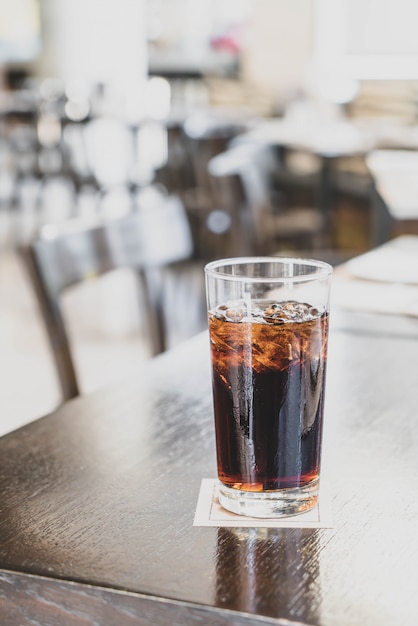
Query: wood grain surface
<point x="97" y="502"/>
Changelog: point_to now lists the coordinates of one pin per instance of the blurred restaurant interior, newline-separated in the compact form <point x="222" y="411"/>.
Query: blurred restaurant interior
<point x="227" y="127"/>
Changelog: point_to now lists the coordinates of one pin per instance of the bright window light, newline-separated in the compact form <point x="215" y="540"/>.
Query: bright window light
<point x="367" y="39"/>
<point x="19" y="30"/>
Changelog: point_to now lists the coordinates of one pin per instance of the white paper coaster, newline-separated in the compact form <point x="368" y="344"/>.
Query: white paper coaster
<point x="210" y="513"/>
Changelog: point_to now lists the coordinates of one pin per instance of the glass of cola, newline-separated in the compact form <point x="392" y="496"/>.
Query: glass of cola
<point x="268" y="327"/>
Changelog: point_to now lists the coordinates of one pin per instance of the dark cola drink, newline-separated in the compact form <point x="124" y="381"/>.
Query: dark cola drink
<point x="269" y="367"/>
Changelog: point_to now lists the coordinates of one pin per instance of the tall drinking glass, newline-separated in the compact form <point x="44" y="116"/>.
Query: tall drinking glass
<point x="268" y="326"/>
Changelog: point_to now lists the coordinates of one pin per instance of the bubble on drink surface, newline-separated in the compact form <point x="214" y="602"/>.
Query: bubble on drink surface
<point x="294" y="310"/>
<point x="276" y="313"/>
<point x="234" y="315"/>
<point x="312" y="313"/>
<point x="272" y="309"/>
<point x="290" y="311"/>
<point x="220" y="311"/>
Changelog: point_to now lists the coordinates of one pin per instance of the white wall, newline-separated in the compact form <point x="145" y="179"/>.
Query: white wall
<point x="279" y="46"/>
<point x="94" y="40"/>
<point x="105" y="40"/>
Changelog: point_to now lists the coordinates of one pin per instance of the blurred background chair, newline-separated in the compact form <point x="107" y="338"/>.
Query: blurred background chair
<point x="243" y="179"/>
<point x="206" y="134"/>
<point x="394" y="193"/>
<point x="64" y="255"/>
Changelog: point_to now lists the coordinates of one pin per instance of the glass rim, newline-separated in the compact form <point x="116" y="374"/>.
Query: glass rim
<point x="325" y="269"/>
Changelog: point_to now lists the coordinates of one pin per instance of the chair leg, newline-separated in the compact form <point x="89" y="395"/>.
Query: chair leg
<point x="55" y="328"/>
<point x="150" y="282"/>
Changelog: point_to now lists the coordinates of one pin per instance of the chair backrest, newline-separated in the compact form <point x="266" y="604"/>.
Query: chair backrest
<point x="247" y="171"/>
<point x="67" y="254"/>
<point x="256" y="165"/>
<point x="207" y="134"/>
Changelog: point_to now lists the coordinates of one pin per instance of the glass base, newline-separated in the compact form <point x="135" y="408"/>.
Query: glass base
<point x="280" y="503"/>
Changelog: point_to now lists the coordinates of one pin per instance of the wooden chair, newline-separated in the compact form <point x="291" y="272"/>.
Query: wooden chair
<point x="64" y="255"/>
<point x="207" y="134"/>
<point x="270" y="221"/>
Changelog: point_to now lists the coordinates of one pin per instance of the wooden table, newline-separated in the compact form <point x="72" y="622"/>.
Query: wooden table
<point x="98" y="500"/>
